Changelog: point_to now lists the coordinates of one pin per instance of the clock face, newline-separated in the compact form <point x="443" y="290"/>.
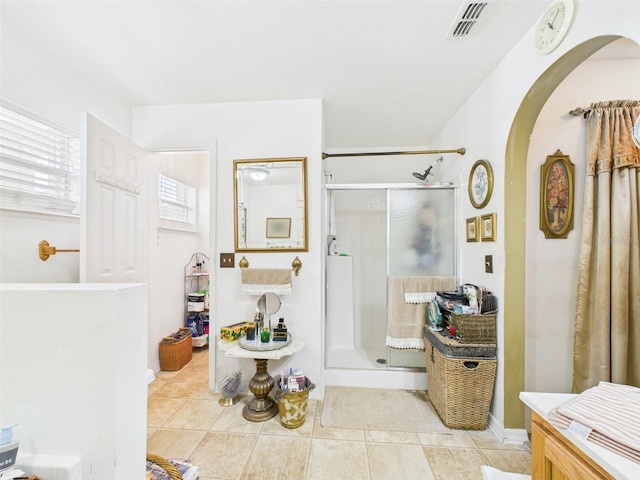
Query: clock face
<point x="480" y="183"/>
<point x="553" y="26"/>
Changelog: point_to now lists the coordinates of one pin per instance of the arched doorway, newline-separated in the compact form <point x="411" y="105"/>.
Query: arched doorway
<point x="515" y="185"/>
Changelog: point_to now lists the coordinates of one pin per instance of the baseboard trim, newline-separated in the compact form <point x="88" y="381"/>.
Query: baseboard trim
<point x="507" y="435"/>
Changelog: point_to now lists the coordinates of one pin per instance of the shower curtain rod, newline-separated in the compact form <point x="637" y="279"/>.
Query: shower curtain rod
<point x="461" y="151"/>
<point x="579" y="110"/>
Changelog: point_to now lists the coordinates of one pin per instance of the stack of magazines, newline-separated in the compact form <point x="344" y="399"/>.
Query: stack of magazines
<point x="186" y="469"/>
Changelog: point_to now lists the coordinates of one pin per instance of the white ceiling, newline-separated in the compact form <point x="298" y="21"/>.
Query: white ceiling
<point x="386" y="72"/>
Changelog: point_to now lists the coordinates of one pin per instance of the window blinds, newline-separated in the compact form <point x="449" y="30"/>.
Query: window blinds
<point x="39" y="165"/>
<point x="177" y="203"/>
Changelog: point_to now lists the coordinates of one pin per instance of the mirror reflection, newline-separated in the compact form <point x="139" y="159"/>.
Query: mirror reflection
<point x="270" y="204"/>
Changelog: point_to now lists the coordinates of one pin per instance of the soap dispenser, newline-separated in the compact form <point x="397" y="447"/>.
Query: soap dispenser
<point x="8" y="448"/>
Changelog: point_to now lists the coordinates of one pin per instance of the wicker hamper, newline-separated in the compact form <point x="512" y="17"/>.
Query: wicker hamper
<point x="460" y="380"/>
<point x="176" y="351"/>
<point x="472" y="328"/>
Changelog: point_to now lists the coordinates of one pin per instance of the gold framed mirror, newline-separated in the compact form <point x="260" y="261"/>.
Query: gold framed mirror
<point x="270" y="202"/>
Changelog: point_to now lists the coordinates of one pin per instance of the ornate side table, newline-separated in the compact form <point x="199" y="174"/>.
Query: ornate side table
<point x="262" y="407"/>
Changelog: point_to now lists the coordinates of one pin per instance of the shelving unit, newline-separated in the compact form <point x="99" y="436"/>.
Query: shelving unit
<point x="196" y="282"/>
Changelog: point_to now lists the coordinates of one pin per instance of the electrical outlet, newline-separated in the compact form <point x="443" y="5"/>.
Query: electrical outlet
<point x="488" y="263"/>
<point x="227" y="260"/>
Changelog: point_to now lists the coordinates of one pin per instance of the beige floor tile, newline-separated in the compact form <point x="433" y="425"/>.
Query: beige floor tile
<point x="200" y="356"/>
<point x="455" y="463"/>
<point x="204" y="391"/>
<point x="457" y="438"/>
<point x="160" y="409"/>
<point x="173" y="443"/>
<point x="192" y="373"/>
<point x="177" y="390"/>
<point x="485" y="439"/>
<point x="379" y="436"/>
<point x="231" y="420"/>
<point x="195" y="414"/>
<point x="331" y="459"/>
<point x="406" y="462"/>
<point x="509" y="461"/>
<point x="223" y="455"/>
<point x="277" y="458"/>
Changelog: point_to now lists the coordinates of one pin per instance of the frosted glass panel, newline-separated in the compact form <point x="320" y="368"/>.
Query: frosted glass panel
<point x="422" y="233"/>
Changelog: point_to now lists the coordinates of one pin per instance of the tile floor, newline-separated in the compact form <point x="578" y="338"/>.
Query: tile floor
<point x="185" y="420"/>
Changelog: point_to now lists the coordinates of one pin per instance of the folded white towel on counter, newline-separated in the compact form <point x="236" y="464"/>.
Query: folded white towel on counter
<point x="608" y="415"/>
<point x="257" y="281"/>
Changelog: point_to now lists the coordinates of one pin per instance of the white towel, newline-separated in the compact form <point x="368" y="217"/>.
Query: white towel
<point x="406" y="320"/>
<point x="256" y="281"/>
<point x="419" y="297"/>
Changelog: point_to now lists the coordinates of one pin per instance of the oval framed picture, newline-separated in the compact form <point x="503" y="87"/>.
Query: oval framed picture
<point x="480" y="183"/>
<point x="556" y="196"/>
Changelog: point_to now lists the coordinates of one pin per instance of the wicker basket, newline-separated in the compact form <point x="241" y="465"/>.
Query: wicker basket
<point x="166" y="465"/>
<point x="473" y="328"/>
<point x="176" y="351"/>
<point x="460" y="388"/>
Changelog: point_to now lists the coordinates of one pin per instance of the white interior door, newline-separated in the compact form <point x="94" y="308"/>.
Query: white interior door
<point x="115" y="207"/>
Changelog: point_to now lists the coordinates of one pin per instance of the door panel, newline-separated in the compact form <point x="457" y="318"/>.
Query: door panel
<point x="114" y="220"/>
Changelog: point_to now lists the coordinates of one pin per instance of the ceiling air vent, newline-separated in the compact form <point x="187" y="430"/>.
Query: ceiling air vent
<point x="466" y="19"/>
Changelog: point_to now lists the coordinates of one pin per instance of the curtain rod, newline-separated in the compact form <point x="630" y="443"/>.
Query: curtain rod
<point x="579" y="110"/>
<point x="461" y="151"/>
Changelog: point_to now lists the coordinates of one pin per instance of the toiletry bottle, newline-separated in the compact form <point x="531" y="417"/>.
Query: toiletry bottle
<point x="264" y="336"/>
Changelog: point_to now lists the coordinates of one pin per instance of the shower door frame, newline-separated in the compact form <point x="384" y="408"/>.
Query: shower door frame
<point x="387" y="187"/>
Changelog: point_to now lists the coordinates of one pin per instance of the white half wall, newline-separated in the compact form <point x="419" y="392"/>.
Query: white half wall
<point x="73" y="370"/>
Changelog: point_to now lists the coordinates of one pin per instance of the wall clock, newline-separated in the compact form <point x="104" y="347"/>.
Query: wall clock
<point x="480" y="183"/>
<point x="553" y="26"/>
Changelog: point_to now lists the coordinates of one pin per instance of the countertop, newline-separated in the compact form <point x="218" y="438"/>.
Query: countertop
<point x="617" y="465"/>
<point x="233" y="349"/>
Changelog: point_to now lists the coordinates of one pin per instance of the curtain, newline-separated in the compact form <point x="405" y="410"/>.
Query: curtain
<point x="607" y="321"/>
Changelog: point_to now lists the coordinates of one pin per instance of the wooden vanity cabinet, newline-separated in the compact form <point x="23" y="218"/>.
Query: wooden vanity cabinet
<point x="554" y="457"/>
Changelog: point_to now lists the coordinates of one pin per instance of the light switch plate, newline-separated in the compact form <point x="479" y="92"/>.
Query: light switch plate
<point x="488" y="263"/>
<point x="227" y="260"/>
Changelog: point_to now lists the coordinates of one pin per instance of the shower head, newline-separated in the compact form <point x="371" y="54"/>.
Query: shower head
<point x="423" y="176"/>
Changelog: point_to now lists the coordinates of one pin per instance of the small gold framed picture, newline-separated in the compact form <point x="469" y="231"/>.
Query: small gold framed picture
<point x="488" y="227"/>
<point x="472" y="229"/>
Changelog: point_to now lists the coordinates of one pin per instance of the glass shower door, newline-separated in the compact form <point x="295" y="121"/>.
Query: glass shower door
<point x="422" y="242"/>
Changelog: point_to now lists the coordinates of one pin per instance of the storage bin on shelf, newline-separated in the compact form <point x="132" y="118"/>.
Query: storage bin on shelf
<point x="460" y="380"/>
<point x="176" y="350"/>
<point x="472" y="328"/>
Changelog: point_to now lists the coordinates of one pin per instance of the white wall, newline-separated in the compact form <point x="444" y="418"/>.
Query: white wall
<point x="245" y="131"/>
<point x="39" y="82"/>
<point x="483" y="124"/>
<point x="551" y="300"/>
<point x="63" y="351"/>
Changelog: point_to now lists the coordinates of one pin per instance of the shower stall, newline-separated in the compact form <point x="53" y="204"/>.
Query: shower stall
<point x="381" y="230"/>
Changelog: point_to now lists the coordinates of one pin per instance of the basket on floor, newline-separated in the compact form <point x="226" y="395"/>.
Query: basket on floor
<point x="460" y="381"/>
<point x="166" y="465"/>
<point x="176" y="351"/>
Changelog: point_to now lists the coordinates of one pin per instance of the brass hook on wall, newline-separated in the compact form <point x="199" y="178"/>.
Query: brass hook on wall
<point x="296" y="265"/>
<point x="45" y="250"/>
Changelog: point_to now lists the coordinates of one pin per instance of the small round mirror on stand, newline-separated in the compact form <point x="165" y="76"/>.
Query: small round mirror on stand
<point x="268" y="304"/>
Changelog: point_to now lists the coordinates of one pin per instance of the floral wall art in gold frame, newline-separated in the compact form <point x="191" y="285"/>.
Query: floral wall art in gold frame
<point x="472" y="227"/>
<point x="556" y="195"/>
<point x="488" y="227"/>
